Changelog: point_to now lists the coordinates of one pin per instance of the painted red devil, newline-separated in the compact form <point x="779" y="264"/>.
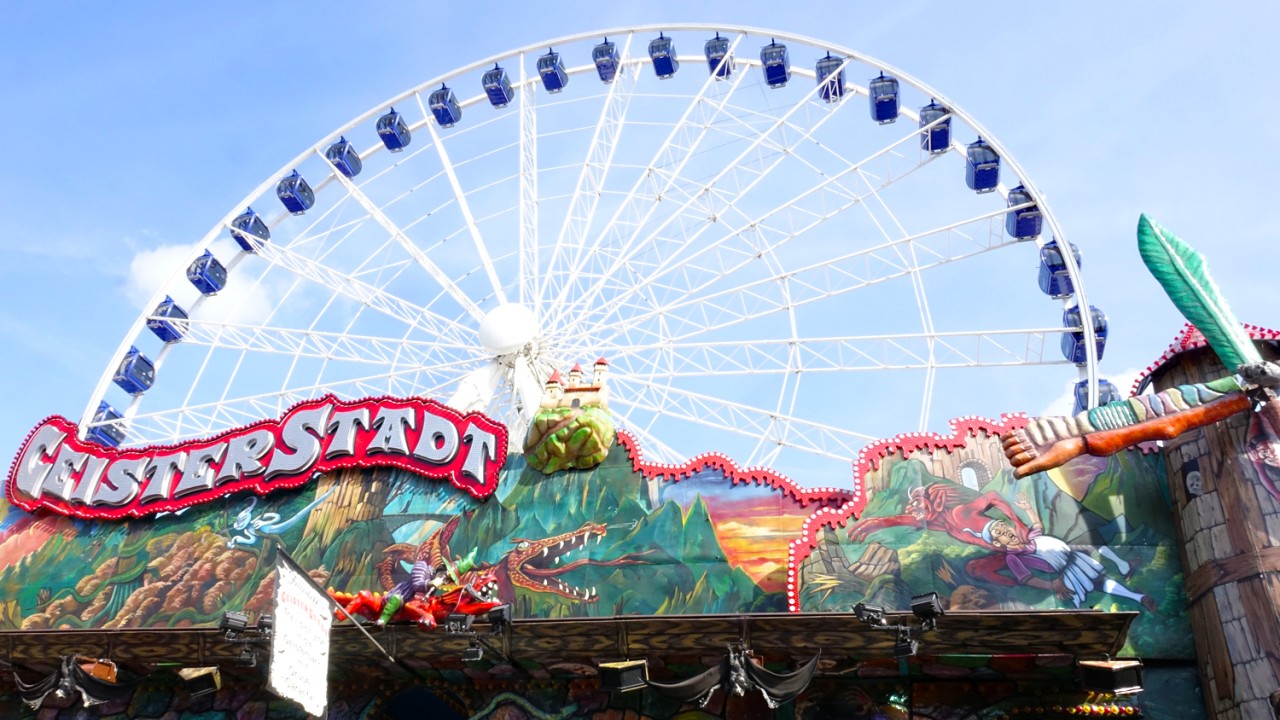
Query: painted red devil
<point x="940" y="507"/>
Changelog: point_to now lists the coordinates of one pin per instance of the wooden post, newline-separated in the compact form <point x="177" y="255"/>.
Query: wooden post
<point x="1229" y="520"/>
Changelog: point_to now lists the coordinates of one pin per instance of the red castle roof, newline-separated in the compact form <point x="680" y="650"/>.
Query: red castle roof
<point x="1189" y="338"/>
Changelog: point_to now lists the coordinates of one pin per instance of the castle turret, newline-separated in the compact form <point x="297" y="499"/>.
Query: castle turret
<point x="575" y="375"/>
<point x="601" y="370"/>
<point x="553" y="391"/>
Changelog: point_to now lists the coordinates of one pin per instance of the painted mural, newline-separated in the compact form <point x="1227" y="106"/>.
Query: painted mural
<point x="945" y="514"/>
<point x="629" y="537"/>
<point x="619" y="538"/>
<point x="582" y="525"/>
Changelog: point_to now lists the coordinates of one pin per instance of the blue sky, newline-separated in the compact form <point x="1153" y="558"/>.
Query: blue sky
<point x="138" y="126"/>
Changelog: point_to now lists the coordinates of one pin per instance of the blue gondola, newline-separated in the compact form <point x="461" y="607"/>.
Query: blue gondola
<point x="345" y="158"/>
<point x="1107" y="393"/>
<point x="168" y="321"/>
<point x="1073" y="346"/>
<point x="719" y="61"/>
<point x="207" y="274"/>
<point x="136" y="373"/>
<point x="394" y="131"/>
<point x="776" y="64"/>
<point x="883" y="93"/>
<point x="982" y="167"/>
<point x="554" y="77"/>
<point x="607" y="59"/>
<point x="662" y="51"/>
<point x="830" y="72"/>
<point x="1055" y="281"/>
<point x="444" y="105"/>
<point x="1022" y="224"/>
<point x="249" y="231"/>
<point x="937" y="138"/>
<point x="111" y="434"/>
<point x="295" y="194"/>
<point x="497" y="86"/>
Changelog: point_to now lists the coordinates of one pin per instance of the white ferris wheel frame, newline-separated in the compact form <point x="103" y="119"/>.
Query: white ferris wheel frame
<point x="694" y="406"/>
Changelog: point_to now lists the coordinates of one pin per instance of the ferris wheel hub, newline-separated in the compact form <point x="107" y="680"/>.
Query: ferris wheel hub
<point x="508" y="328"/>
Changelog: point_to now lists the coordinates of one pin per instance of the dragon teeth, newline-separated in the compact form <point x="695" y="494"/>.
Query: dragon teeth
<point x="544" y="551"/>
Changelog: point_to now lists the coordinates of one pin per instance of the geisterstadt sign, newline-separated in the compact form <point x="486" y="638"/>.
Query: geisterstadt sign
<point x="57" y="471"/>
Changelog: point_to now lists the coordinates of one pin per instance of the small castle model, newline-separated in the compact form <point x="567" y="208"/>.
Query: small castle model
<point x="576" y="393"/>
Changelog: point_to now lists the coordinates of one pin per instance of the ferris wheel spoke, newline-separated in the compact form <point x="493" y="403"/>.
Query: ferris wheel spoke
<point x="651" y="447"/>
<point x="741" y="176"/>
<point x="741" y="419"/>
<point x="662" y="172"/>
<point x="337" y="346"/>
<point x="364" y="293"/>
<point x="460" y="196"/>
<point x="211" y="418"/>
<point x="528" y="200"/>
<point x="830" y="278"/>
<point x="922" y="303"/>
<point x="405" y="243"/>
<point x="765" y="232"/>
<point x="231" y="412"/>
<point x="591" y="178"/>
<point x="854" y="353"/>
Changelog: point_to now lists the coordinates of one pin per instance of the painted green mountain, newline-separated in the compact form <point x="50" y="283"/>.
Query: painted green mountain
<point x="680" y="566"/>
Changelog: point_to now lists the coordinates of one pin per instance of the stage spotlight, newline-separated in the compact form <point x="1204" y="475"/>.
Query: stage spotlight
<point x="624" y="675"/>
<point x="927" y="607"/>
<point x="265" y="623"/>
<point x="1118" y="677"/>
<point x="473" y="653"/>
<point x="458" y="623"/>
<point x="234" y="622"/>
<point x="499" y="619"/>
<point x="201" y="680"/>
<point x="904" y="646"/>
<point x="869" y="614"/>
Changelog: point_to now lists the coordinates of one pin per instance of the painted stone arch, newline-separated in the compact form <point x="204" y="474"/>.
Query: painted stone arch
<point x="974" y="473"/>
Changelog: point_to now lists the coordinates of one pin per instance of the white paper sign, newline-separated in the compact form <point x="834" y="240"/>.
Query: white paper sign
<point x="300" y="641"/>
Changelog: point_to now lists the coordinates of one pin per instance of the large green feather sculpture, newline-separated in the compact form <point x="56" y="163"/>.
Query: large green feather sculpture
<point x="1184" y="275"/>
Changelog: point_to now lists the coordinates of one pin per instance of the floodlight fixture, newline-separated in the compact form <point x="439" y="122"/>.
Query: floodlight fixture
<point x="869" y="614"/>
<point x="201" y="681"/>
<point x="499" y="619"/>
<point x="234" y="622"/>
<point x="904" y="646"/>
<point x="458" y="624"/>
<point x="624" y="675"/>
<point x="927" y="607"/>
<point x="473" y="653"/>
<point x="1117" y="677"/>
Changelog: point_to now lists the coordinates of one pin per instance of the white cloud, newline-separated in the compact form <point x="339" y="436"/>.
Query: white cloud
<point x="1065" y="402"/>
<point x="243" y="301"/>
<point x="150" y="269"/>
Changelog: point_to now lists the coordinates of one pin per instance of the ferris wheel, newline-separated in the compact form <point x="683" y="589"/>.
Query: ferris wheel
<point x="783" y="249"/>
